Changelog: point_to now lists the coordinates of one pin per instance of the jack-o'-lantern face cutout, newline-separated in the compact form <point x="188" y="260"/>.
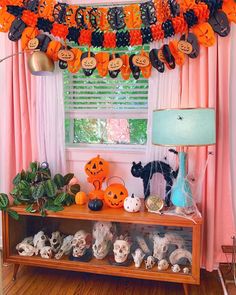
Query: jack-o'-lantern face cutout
<point x="178" y="55"/>
<point x="114" y="65"/>
<point x="102" y="59"/>
<point x="125" y="69"/>
<point x="53" y="49"/>
<point x="115" y="195"/>
<point x="229" y="7"/>
<point x="220" y="23"/>
<point x="29" y="34"/>
<point x="191" y="39"/>
<point x="96" y="168"/>
<point x="205" y="34"/>
<point x="88" y="63"/>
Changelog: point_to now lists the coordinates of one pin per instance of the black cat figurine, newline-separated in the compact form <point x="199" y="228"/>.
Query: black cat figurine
<point x="147" y="172"/>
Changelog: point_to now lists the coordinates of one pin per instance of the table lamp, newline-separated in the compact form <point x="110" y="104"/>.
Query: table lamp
<point x="183" y="128"/>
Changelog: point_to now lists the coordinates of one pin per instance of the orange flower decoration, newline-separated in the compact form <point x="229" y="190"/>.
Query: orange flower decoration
<point x="229" y="7"/>
<point x="102" y="59"/>
<point x="132" y="16"/>
<point x="27" y="35"/>
<point x="162" y="10"/>
<point x="6" y="20"/>
<point x="205" y="34"/>
<point x="178" y="55"/>
<point x="85" y="37"/>
<point x="135" y="37"/>
<point x="201" y="11"/>
<point x="186" y="5"/>
<point x="125" y="69"/>
<point x="59" y="30"/>
<point x="29" y="18"/>
<point x="103" y="22"/>
<point x="75" y="65"/>
<point x="53" y="49"/>
<point x="109" y="40"/>
<point x="157" y="32"/>
<point x="70" y="15"/>
<point x="179" y="24"/>
<point x="46" y="9"/>
<point x="14" y="2"/>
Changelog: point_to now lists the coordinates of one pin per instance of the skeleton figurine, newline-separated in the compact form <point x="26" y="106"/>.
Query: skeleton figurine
<point x="56" y="241"/>
<point x="46" y="252"/>
<point x="65" y="247"/>
<point x="163" y="264"/>
<point x="121" y="249"/>
<point x="81" y="242"/>
<point x="175" y="268"/>
<point x="39" y="241"/>
<point x="26" y="248"/>
<point x="103" y="234"/>
<point x="150" y="262"/>
<point x="138" y="256"/>
<point x="161" y="244"/>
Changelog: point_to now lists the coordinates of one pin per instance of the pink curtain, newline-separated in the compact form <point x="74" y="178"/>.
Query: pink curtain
<point x="205" y="83"/>
<point x="17" y="120"/>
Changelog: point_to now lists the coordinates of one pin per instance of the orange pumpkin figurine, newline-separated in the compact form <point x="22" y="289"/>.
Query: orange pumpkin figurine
<point x="205" y="34"/>
<point x="115" y="194"/>
<point x="97" y="170"/>
<point x="81" y="198"/>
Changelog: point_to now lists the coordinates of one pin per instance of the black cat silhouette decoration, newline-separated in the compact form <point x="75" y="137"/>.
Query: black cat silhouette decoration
<point x="146" y="172"/>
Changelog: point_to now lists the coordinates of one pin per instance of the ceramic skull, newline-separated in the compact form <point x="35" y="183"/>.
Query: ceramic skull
<point x="121" y="249"/>
<point x="46" y="252"/>
<point x="25" y="249"/>
<point x="175" y="268"/>
<point x="103" y="234"/>
<point x="138" y="256"/>
<point x="186" y="270"/>
<point x="132" y="203"/>
<point x="81" y="242"/>
<point x="65" y="247"/>
<point x="163" y="264"/>
<point x="39" y="241"/>
<point x="150" y="262"/>
<point x="56" y="241"/>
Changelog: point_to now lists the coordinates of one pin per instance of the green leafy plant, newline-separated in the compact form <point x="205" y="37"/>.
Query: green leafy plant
<point x="40" y="191"/>
<point x="4" y="206"/>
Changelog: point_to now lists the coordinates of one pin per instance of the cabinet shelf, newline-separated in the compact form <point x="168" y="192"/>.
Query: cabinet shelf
<point x="116" y="215"/>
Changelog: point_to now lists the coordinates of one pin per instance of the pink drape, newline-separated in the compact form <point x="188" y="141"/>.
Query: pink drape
<point x="17" y="120"/>
<point x="205" y="83"/>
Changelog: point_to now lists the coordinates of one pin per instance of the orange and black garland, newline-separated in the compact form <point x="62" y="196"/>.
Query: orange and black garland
<point x="121" y="26"/>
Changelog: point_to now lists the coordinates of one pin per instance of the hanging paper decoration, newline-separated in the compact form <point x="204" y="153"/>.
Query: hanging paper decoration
<point x="117" y="27"/>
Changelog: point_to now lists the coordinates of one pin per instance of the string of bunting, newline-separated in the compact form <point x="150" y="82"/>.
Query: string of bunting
<point x="37" y="22"/>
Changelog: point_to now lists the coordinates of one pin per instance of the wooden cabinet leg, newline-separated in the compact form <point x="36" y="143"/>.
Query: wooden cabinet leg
<point x="185" y="289"/>
<point x="15" y="270"/>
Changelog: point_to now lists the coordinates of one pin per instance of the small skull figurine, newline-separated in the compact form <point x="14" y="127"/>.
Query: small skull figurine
<point x="56" y="241"/>
<point x="163" y="264"/>
<point x="65" y="247"/>
<point x="138" y="256"/>
<point x="150" y="262"/>
<point x="39" y="241"/>
<point x="121" y="249"/>
<point x="186" y="270"/>
<point x="46" y="252"/>
<point x="81" y="242"/>
<point x="175" y="268"/>
<point x="25" y="249"/>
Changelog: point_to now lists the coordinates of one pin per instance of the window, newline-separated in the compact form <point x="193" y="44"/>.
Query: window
<point x="105" y="110"/>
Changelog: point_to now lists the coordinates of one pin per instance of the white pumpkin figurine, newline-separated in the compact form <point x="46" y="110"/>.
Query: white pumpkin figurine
<point x="132" y="203"/>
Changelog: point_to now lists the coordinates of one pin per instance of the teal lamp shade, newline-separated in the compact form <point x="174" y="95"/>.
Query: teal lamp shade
<point x="183" y="127"/>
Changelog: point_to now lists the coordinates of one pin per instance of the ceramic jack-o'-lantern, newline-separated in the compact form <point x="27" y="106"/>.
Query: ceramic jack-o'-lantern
<point x="97" y="170"/>
<point x="115" y="195"/>
<point x="205" y="34"/>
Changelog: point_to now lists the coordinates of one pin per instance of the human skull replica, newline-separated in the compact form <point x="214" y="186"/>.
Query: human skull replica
<point x="175" y="268"/>
<point x="161" y="244"/>
<point x="26" y="248"/>
<point x="65" y="247"/>
<point x="163" y="264"/>
<point x="81" y="242"/>
<point x="132" y="204"/>
<point x="121" y="249"/>
<point x="46" y="252"/>
<point x="103" y="234"/>
<point x="186" y="270"/>
<point x="56" y="241"/>
<point x="138" y="256"/>
<point x="150" y="262"/>
<point x="39" y="241"/>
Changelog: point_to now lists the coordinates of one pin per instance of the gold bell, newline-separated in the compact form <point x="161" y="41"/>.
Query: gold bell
<point x="40" y="64"/>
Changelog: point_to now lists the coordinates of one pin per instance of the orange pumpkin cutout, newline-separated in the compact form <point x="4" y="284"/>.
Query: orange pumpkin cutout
<point x="102" y="59"/>
<point x="97" y="170"/>
<point x="205" y="34"/>
<point x="229" y="7"/>
<point x="115" y="195"/>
